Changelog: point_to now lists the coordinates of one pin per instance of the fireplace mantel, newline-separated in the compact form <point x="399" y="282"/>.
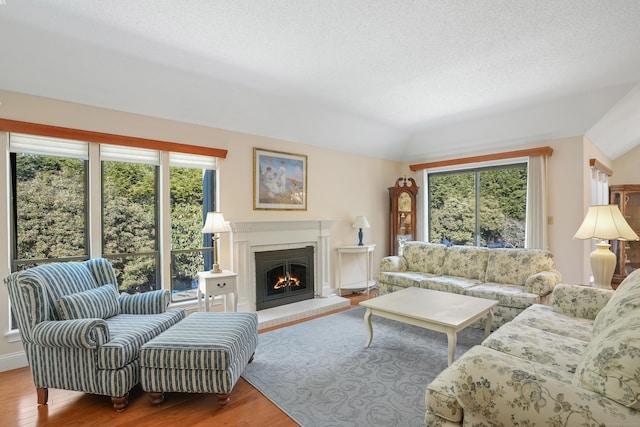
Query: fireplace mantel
<point x="249" y="237"/>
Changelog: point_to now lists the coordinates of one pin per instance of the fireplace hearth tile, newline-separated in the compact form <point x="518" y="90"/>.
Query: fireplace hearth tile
<point x="275" y="316"/>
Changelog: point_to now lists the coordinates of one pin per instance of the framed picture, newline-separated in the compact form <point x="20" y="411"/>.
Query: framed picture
<point x="279" y="180"/>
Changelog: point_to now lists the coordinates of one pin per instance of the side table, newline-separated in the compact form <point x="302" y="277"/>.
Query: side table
<point x="211" y="285"/>
<point x="368" y="282"/>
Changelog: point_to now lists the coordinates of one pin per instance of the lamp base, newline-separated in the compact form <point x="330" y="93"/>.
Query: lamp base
<point x="216" y="268"/>
<point x="360" y="238"/>
<point x="603" y="264"/>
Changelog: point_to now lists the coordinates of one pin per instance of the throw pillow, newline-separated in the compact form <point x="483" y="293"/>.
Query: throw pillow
<point x="610" y="365"/>
<point x="100" y="303"/>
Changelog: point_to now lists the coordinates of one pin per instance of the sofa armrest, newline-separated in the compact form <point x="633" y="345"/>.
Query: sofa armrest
<point x="542" y="283"/>
<point x="579" y="301"/>
<point x="77" y="333"/>
<point x="392" y="263"/>
<point x="152" y="302"/>
<point x="492" y="387"/>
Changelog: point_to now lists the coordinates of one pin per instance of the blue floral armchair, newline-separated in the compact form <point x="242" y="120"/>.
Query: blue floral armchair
<point x="79" y="333"/>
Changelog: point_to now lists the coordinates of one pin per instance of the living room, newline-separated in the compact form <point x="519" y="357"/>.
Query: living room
<point x="341" y="184"/>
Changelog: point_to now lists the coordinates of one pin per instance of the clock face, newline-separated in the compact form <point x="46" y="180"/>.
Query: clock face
<point x="404" y="202"/>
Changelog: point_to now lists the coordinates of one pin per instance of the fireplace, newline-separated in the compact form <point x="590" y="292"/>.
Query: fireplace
<point x="251" y="237"/>
<point x="284" y="276"/>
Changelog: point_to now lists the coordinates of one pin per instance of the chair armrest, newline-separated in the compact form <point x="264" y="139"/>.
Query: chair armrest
<point x="392" y="263"/>
<point x="542" y="283"/>
<point x="78" y="333"/>
<point x="152" y="302"/>
<point x="579" y="301"/>
<point x="492" y="387"/>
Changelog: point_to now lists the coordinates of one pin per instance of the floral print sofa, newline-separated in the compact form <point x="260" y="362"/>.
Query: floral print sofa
<point x="517" y="278"/>
<point x="575" y="363"/>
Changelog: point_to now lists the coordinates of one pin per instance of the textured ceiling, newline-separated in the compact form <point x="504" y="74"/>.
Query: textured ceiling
<point x="400" y="79"/>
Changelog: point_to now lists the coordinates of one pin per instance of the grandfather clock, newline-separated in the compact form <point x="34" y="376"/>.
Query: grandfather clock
<point x="403" y="217"/>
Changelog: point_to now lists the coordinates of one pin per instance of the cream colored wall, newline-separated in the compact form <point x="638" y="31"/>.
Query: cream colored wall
<point x="341" y="186"/>
<point x="626" y="168"/>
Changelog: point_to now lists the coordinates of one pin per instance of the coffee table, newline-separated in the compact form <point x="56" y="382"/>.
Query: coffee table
<point x="435" y="310"/>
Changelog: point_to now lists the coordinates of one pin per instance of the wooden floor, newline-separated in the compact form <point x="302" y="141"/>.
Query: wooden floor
<point x="248" y="407"/>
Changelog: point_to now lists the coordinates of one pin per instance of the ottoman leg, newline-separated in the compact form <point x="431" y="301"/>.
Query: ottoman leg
<point x="251" y="358"/>
<point x="223" y="399"/>
<point x="156" y="398"/>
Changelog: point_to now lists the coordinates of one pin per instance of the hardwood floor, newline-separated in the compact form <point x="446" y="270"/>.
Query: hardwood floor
<point x="248" y="407"/>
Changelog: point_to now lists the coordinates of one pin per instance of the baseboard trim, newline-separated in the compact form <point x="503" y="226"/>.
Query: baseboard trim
<point x="12" y="361"/>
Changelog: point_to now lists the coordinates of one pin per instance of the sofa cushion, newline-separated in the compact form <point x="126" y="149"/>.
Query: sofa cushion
<point x="129" y="332"/>
<point x="542" y="317"/>
<point x="465" y="261"/>
<point x="406" y="279"/>
<point x="424" y="257"/>
<point x="99" y="303"/>
<point x="611" y="362"/>
<point x="620" y="305"/>
<point x="514" y="266"/>
<point x="508" y="295"/>
<point x="456" y="285"/>
<point x="529" y="343"/>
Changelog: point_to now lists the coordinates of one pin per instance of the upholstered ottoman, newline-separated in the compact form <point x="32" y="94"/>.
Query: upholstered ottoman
<point x="203" y="353"/>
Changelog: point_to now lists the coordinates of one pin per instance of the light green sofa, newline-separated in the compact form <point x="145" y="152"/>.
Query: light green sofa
<point x="517" y="278"/>
<point x="576" y="363"/>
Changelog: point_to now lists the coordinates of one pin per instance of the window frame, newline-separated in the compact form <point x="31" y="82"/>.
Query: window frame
<point x="476" y="168"/>
<point x="93" y="190"/>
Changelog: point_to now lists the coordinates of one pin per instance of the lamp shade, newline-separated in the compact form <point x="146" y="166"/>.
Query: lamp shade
<point x="361" y="222"/>
<point x="605" y="222"/>
<point x="215" y="223"/>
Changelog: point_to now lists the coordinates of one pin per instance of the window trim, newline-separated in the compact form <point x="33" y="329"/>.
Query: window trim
<point x="107" y="138"/>
<point x="461" y="168"/>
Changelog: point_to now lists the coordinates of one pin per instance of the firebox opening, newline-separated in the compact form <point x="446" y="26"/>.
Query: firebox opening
<point x="284" y="276"/>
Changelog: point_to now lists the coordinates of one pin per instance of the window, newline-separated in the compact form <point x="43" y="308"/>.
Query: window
<point x="479" y="207"/>
<point x="49" y="200"/>
<point x="130" y="216"/>
<point x="59" y="214"/>
<point x="193" y="183"/>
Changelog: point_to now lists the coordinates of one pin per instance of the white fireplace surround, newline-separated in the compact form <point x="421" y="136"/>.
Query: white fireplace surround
<point x="249" y="237"/>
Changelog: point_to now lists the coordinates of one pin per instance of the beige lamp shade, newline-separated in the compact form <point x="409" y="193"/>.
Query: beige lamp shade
<point x="604" y="222"/>
<point x="215" y="224"/>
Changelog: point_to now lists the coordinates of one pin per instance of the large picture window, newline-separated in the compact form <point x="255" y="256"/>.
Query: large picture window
<point x="479" y="207"/>
<point x="59" y="214"/>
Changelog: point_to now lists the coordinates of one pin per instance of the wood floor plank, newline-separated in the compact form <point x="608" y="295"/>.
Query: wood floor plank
<point x="247" y="408"/>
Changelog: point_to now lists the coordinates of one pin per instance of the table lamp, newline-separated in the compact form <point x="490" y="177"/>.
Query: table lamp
<point x="604" y="222"/>
<point x="360" y="223"/>
<point x="215" y="224"/>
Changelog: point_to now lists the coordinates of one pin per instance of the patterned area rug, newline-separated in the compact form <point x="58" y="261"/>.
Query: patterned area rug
<point x="320" y="374"/>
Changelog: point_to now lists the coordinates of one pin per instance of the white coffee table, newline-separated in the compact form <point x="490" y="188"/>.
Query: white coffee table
<point x="435" y="310"/>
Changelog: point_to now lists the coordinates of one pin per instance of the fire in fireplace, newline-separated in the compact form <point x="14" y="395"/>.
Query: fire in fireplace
<point x="284" y="276"/>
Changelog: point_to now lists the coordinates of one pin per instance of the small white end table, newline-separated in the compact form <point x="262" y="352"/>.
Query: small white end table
<point x="211" y="285"/>
<point x="368" y="281"/>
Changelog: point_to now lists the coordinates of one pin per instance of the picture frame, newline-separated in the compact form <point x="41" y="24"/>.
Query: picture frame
<point x="279" y="180"/>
